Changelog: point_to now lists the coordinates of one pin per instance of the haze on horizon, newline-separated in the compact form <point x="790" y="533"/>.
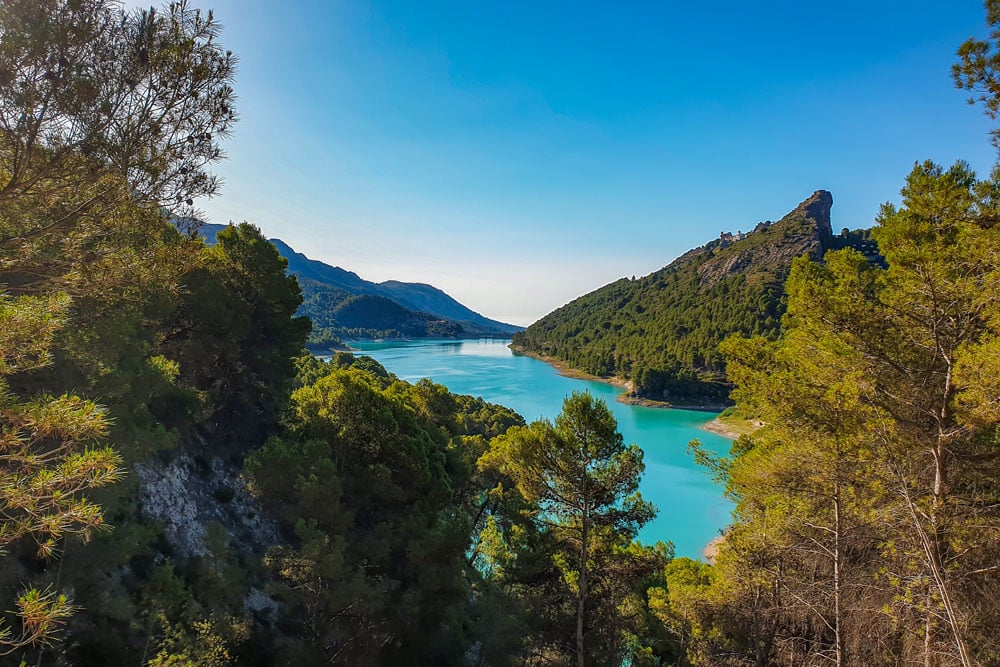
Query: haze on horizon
<point x="518" y="155"/>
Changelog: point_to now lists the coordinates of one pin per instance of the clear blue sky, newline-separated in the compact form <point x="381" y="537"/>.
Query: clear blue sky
<point x="519" y="154"/>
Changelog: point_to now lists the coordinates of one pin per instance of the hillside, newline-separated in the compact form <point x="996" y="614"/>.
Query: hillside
<point x="662" y="331"/>
<point x="341" y="304"/>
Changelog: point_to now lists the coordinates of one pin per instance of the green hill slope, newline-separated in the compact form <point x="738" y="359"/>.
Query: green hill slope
<point x="662" y="331"/>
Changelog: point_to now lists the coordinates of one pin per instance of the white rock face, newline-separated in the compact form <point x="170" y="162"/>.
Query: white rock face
<point x="186" y="500"/>
<point x="168" y="496"/>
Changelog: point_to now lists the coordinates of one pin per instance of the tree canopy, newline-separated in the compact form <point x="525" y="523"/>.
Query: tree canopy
<point x="583" y="483"/>
<point x="868" y="484"/>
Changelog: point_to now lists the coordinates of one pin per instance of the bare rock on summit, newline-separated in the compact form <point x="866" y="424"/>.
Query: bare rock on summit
<point x="818" y="208"/>
<point x="804" y="230"/>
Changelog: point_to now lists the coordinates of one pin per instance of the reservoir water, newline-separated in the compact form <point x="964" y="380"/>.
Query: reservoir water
<point x="692" y="509"/>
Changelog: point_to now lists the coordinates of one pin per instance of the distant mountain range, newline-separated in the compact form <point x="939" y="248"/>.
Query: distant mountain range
<point x="662" y="331"/>
<point x="341" y="304"/>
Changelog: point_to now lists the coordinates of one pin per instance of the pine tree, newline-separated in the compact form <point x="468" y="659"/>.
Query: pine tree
<point x="583" y="481"/>
<point x="49" y="459"/>
<point x="880" y="434"/>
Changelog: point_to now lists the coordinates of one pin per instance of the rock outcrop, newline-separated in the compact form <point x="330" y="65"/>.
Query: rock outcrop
<point x="662" y="331"/>
<point x="187" y="495"/>
<point x="805" y="230"/>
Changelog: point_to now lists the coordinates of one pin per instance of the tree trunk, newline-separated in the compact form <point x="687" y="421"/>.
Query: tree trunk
<point x="837" y="565"/>
<point x="938" y="545"/>
<point x="582" y="587"/>
<point x="929" y="634"/>
<point x="936" y="548"/>
<point x="930" y="543"/>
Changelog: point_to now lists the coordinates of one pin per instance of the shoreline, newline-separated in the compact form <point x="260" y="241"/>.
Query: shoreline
<point x="348" y="343"/>
<point x="717" y="427"/>
<point x="732" y="427"/>
<point x="566" y="370"/>
<point x="411" y="339"/>
<point x="328" y="351"/>
<point x="711" y="550"/>
<point x="714" y="408"/>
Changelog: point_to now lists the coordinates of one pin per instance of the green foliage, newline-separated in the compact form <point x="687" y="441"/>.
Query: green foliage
<point x="107" y="115"/>
<point x="977" y="68"/>
<point x="173" y="375"/>
<point x="49" y="461"/>
<point x="138" y="95"/>
<point x="109" y="118"/>
<point x="872" y="483"/>
<point x="374" y="480"/>
<point x="338" y="314"/>
<point x="205" y="644"/>
<point x="420" y="527"/>
<point x="580" y="482"/>
<point x="662" y="331"/>
<point x="235" y="336"/>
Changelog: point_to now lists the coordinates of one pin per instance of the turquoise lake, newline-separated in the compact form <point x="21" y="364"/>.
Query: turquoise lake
<point x="692" y="509"/>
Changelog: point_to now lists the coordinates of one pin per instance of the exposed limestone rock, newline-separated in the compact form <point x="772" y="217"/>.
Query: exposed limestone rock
<point x="187" y="495"/>
<point x="262" y="604"/>
<point x="167" y="497"/>
<point x="817" y="207"/>
<point x="806" y="229"/>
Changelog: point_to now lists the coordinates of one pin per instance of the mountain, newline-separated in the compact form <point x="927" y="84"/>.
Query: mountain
<point x="662" y="331"/>
<point x="429" y="299"/>
<point x="341" y="304"/>
<point x="303" y="267"/>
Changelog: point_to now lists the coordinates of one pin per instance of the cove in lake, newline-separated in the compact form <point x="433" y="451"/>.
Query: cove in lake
<point x="692" y="509"/>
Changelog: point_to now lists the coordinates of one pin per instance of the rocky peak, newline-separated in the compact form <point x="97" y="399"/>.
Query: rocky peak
<point x="767" y="252"/>
<point x="818" y="208"/>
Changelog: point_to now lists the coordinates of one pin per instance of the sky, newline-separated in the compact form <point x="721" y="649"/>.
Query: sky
<point x="520" y="154"/>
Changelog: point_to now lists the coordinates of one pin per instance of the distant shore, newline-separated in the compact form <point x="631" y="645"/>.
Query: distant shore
<point x="328" y="350"/>
<point x="649" y="403"/>
<point x="727" y="428"/>
<point x="625" y="397"/>
<point x="349" y="347"/>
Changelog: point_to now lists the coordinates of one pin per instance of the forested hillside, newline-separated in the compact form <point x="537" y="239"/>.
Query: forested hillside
<point x="663" y="331"/>
<point x="873" y="483"/>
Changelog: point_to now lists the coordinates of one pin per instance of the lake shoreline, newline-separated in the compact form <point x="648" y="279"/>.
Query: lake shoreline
<point x="348" y="343"/>
<point x="732" y="426"/>
<point x="626" y="397"/>
<point x="711" y="550"/>
<point x="714" y="408"/>
<point x="719" y="428"/>
<point x="568" y="371"/>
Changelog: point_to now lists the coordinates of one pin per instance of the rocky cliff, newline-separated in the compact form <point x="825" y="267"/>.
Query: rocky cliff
<point x="804" y="230"/>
